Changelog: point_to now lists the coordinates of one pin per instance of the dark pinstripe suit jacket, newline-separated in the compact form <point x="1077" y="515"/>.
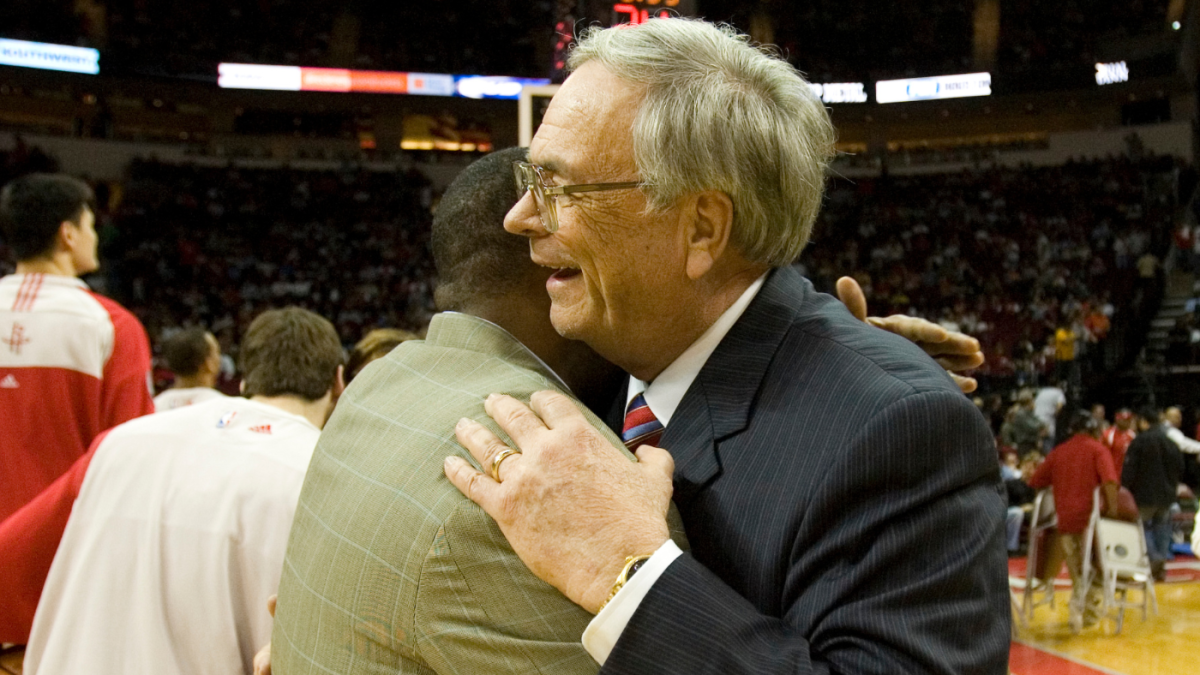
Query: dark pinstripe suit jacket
<point x="842" y="500"/>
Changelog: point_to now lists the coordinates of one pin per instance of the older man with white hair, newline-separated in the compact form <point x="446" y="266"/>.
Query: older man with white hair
<point x="840" y="493"/>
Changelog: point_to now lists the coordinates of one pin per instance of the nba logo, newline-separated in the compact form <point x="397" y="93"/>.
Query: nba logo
<point x="226" y="419"/>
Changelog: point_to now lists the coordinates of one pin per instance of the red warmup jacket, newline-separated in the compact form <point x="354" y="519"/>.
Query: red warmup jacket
<point x="72" y="364"/>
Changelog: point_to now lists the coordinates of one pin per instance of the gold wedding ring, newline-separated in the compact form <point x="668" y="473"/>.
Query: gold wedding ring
<point x="508" y="452"/>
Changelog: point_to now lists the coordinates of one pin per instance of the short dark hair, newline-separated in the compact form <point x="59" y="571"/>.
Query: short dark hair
<point x="34" y="206"/>
<point x="1151" y="414"/>
<point x="1082" y="422"/>
<point x="474" y="255"/>
<point x="186" y="351"/>
<point x="374" y="345"/>
<point x="290" y="352"/>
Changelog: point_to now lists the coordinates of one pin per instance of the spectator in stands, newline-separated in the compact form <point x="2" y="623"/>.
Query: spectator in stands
<point x="1153" y="467"/>
<point x="1026" y="431"/>
<point x="1148" y="266"/>
<point x="1020" y="499"/>
<point x="1046" y="406"/>
<point x="195" y="357"/>
<point x="1118" y="436"/>
<point x="1075" y="469"/>
<point x="72" y="362"/>
<point x="374" y="345"/>
<point x="177" y="537"/>
<point x="1065" y="343"/>
<point x="1097" y="324"/>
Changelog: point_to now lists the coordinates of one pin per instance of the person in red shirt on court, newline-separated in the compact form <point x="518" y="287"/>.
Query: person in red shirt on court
<point x="1119" y="436"/>
<point x="1074" y="470"/>
<point x="72" y="362"/>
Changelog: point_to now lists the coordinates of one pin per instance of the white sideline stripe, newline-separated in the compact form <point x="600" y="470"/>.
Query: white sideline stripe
<point x="1067" y="657"/>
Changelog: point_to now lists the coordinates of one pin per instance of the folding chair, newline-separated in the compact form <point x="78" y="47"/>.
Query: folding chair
<point x="1043" y="519"/>
<point x="1122" y="560"/>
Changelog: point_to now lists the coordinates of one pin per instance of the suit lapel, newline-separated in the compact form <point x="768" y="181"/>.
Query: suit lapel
<point x="719" y="403"/>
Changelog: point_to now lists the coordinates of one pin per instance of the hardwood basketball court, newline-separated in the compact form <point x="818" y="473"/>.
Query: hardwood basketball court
<point x="1165" y="644"/>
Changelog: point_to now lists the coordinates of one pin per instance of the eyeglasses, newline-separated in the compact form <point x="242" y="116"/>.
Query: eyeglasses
<point x="531" y="179"/>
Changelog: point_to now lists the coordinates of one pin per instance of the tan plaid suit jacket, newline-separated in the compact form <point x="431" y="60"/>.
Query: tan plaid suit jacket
<point x="389" y="569"/>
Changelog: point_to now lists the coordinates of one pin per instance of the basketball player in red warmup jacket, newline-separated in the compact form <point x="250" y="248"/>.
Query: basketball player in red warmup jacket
<point x="72" y="363"/>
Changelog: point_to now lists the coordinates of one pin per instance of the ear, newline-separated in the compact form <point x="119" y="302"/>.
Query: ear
<point x="708" y="233"/>
<point x="213" y="363"/>
<point x="68" y="235"/>
<point x="339" y="383"/>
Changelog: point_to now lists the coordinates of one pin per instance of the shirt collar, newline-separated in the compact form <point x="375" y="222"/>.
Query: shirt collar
<point x="557" y="379"/>
<point x="666" y="391"/>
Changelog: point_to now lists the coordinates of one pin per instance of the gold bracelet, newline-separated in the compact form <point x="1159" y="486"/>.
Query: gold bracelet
<point x="631" y="564"/>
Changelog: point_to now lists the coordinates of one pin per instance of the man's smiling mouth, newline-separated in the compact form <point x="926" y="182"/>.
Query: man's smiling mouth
<point x="565" y="273"/>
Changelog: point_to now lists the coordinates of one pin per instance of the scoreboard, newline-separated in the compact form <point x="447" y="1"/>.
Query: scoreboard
<point x="636" y="11"/>
<point x="572" y="15"/>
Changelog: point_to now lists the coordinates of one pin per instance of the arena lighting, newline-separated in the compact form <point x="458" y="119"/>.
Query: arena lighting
<point x="494" y="86"/>
<point x="933" y="88"/>
<point x="1111" y="73"/>
<point x="841" y="92"/>
<point x="298" y="78"/>
<point x="46" y="56"/>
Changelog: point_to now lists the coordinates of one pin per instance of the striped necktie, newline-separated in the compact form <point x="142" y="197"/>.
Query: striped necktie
<point x="641" y="426"/>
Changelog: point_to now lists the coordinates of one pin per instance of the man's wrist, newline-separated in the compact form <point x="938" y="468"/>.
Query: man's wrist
<point x="615" y="573"/>
<point x="606" y="627"/>
<point x="632" y="564"/>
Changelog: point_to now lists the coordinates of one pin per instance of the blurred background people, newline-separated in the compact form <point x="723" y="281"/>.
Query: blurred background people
<point x="1153" y="467"/>
<point x="194" y="356"/>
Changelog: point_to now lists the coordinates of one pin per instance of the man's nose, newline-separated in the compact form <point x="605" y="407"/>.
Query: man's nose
<point x="523" y="218"/>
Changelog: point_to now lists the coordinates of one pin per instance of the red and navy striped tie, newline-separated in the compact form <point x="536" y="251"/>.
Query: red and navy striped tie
<point x="641" y="426"/>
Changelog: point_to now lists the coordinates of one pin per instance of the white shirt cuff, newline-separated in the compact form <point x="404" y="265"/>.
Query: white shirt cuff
<point x="606" y="627"/>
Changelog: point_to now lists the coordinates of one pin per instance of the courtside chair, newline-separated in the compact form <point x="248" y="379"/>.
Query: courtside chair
<point x="1123" y="562"/>
<point x="1043" y="520"/>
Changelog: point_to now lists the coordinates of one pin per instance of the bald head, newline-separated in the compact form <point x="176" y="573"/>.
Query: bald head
<point x="1173" y="416"/>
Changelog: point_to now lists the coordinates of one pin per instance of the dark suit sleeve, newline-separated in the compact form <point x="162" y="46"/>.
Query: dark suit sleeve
<point x="898" y="567"/>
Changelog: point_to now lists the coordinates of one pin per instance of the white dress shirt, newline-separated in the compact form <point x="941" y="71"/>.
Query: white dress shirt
<point x="663" y="396"/>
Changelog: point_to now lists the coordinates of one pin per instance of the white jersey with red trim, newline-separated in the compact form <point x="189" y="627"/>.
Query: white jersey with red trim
<point x="72" y="364"/>
<point x="181" y="398"/>
<point x="175" y="543"/>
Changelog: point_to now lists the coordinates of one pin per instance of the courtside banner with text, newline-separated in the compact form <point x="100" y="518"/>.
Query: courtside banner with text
<point x="933" y="88"/>
<point x="46" y="56"/>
